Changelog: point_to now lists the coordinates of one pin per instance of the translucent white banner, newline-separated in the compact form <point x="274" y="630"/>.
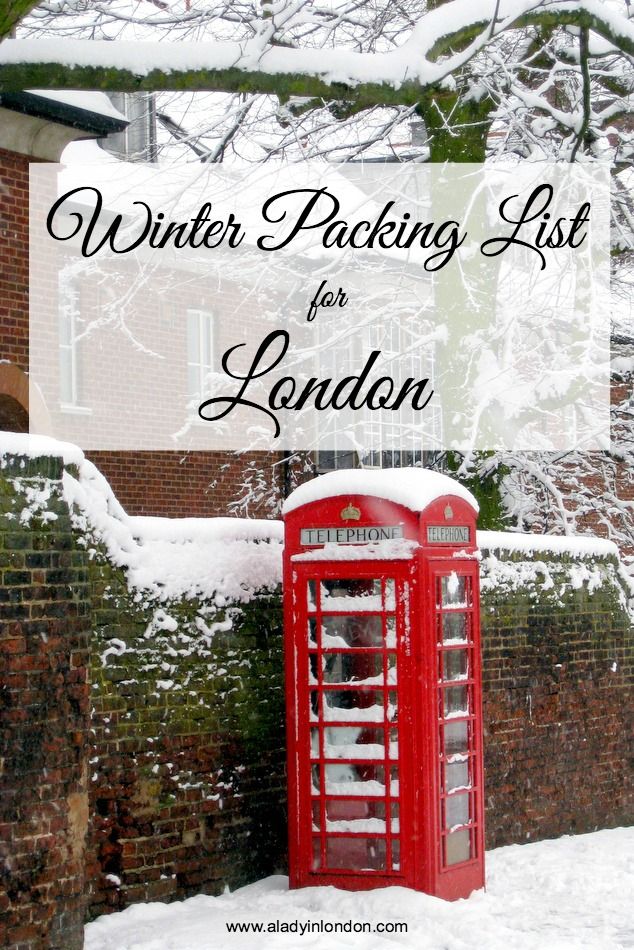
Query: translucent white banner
<point x="353" y="307"/>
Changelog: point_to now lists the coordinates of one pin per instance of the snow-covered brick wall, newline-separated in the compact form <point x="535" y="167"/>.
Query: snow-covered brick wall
<point x="547" y="569"/>
<point x="217" y="560"/>
<point x="187" y="700"/>
<point x="186" y="773"/>
<point x="45" y="627"/>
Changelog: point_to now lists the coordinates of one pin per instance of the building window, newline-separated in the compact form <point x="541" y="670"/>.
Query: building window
<point x="388" y="444"/>
<point x="70" y="382"/>
<point x="390" y="458"/>
<point x="200" y="351"/>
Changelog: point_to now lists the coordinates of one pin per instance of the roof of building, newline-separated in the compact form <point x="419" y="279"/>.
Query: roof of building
<point x="91" y="112"/>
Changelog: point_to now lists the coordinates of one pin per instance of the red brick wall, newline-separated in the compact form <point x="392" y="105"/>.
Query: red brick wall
<point x="558" y="715"/>
<point x="14" y="258"/>
<point x="193" y="484"/>
<point x="147" y="483"/>
<point x="44" y="719"/>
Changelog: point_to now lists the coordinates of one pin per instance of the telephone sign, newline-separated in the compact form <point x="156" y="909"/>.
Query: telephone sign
<point x="374" y="532"/>
<point x="447" y="534"/>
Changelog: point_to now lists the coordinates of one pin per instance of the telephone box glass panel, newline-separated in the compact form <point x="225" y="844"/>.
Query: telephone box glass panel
<point x="354" y="732"/>
<point x="456" y="714"/>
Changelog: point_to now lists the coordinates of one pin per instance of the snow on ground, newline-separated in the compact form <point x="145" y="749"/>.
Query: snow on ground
<point x="571" y="894"/>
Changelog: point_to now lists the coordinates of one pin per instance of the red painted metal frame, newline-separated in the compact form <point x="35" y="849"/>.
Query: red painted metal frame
<point x="421" y="794"/>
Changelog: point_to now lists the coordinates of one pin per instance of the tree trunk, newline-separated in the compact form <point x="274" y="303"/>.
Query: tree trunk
<point x="11" y="12"/>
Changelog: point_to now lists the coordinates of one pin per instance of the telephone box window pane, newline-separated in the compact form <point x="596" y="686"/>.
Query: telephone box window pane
<point x="361" y="826"/>
<point x="454" y="665"/>
<point x="453" y="591"/>
<point x="316" y="862"/>
<point x="376" y="855"/>
<point x="352" y="631"/>
<point x="390" y="633"/>
<point x="396" y="854"/>
<point x="315" y="776"/>
<point x="351" y="594"/>
<point x="454" y="628"/>
<point x="312" y="595"/>
<point x="455" y="701"/>
<point x="456" y="775"/>
<point x="457" y="847"/>
<point x="352" y="810"/>
<point x="359" y="854"/>
<point x="312" y="633"/>
<point x="316" y="816"/>
<point x="390" y="597"/>
<point x="456" y="738"/>
<point x="313" y="705"/>
<point x="360" y="817"/>
<point x="353" y="705"/>
<point x="456" y="810"/>
<point x="353" y="743"/>
<point x="348" y="779"/>
<point x="392" y="706"/>
<point x="353" y="668"/>
<point x="314" y="743"/>
<point x="351" y="587"/>
<point x="394" y="743"/>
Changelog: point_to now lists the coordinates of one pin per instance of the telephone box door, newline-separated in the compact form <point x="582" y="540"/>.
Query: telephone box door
<point x="352" y="724"/>
<point x="452" y="597"/>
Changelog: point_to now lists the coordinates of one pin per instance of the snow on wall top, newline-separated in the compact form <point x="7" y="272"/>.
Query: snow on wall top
<point x="573" y="545"/>
<point x="223" y="560"/>
<point x="414" y="488"/>
<point x="218" y="560"/>
<point x="39" y="446"/>
<point x="181" y="530"/>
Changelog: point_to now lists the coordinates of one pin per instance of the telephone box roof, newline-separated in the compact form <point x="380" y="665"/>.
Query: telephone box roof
<point x="414" y="488"/>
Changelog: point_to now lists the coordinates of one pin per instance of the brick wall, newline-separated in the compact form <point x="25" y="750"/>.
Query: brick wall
<point x="44" y="712"/>
<point x="558" y="675"/>
<point x="188" y="780"/>
<point x="14" y="259"/>
<point x="187" y="777"/>
<point x="147" y="483"/>
<point x="194" y="484"/>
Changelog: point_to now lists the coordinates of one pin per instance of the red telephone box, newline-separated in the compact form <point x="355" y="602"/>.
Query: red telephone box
<point x="383" y="683"/>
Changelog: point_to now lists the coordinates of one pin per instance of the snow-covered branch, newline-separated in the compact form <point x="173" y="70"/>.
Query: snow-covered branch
<point x="442" y="41"/>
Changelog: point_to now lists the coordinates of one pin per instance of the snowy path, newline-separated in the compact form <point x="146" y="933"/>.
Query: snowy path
<point x="576" y="893"/>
